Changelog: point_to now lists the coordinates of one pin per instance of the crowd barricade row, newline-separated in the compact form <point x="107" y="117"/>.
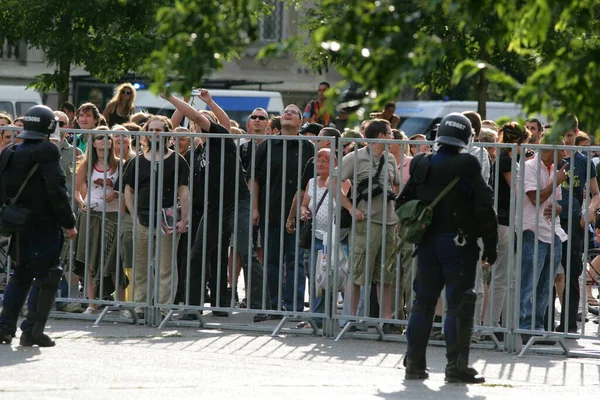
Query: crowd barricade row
<point x="141" y="271"/>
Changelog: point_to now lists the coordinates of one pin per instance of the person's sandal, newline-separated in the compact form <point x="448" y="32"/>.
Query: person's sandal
<point x="90" y="310"/>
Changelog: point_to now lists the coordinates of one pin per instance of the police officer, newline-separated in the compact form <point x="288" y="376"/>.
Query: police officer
<point x="449" y="253"/>
<point x="36" y="253"/>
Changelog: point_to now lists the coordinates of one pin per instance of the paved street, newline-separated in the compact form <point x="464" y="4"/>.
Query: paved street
<point x="116" y="360"/>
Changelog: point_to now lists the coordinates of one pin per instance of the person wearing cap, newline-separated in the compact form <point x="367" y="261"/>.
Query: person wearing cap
<point x="35" y="253"/>
<point x="310" y="129"/>
<point x="448" y="253"/>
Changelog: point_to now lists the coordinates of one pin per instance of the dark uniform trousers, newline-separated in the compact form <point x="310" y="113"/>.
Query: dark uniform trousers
<point x="440" y="262"/>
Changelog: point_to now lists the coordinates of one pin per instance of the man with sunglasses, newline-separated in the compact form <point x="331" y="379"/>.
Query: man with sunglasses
<point x="219" y="157"/>
<point x="269" y="182"/>
<point x="256" y="124"/>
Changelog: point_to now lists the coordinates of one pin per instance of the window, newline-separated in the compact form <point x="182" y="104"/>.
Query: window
<point x="270" y="26"/>
<point x="9" y="50"/>
<point x="23" y="106"/>
<point x="7" y="107"/>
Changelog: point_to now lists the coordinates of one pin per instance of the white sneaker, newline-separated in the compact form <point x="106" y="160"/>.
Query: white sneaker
<point x="126" y="314"/>
<point x="90" y="310"/>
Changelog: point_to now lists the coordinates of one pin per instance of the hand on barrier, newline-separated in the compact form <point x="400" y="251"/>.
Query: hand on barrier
<point x="71" y="233"/>
<point x="82" y="206"/>
<point x="181" y="227"/>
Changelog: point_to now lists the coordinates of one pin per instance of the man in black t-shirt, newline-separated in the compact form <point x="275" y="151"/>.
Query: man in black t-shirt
<point x="227" y="192"/>
<point x="280" y="193"/>
<point x="143" y="177"/>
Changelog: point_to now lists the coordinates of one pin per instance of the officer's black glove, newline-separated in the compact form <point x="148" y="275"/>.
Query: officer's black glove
<point x="490" y="253"/>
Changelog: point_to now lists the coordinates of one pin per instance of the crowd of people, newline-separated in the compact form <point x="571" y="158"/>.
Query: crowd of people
<point x="260" y="192"/>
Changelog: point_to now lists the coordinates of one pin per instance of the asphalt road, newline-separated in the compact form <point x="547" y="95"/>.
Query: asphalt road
<point x="120" y="361"/>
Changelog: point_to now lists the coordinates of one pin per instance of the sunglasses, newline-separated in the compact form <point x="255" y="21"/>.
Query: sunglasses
<point x="61" y="124"/>
<point x="127" y="92"/>
<point x="259" y="117"/>
<point x="101" y="137"/>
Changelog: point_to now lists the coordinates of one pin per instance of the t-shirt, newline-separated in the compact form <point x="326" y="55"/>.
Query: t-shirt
<point x="576" y="172"/>
<point x="274" y="187"/>
<point x="365" y="167"/>
<point x="215" y="147"/>
<point x="144" y="175"/>
<point x="504" y="165"/>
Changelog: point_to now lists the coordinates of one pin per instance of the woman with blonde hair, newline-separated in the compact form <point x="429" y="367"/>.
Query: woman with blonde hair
<point x="97" y="198"/>
<point x="122" y="147"/>
<point x="120" y="107"/>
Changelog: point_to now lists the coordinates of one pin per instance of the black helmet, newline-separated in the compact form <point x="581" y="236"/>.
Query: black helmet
<point x="38" y="123"/>
<point x="454" y="130"/>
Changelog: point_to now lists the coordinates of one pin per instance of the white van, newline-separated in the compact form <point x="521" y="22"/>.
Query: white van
<point x="422" y="116"/>
<point x="16" y="100"/>
<point x="238" y="104"/>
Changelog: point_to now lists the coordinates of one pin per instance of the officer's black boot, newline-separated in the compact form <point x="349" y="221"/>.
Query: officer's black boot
<point x="45" y="299"/>
<point x="458" y="369"/>
<point x="15" y="295"/>
<point x="419" y="328"/>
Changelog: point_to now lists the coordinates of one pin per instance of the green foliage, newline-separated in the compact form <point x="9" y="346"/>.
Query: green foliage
<point x="109" y="38"/>
<point x="199" y="35"/>
<point x="542" y="54"/>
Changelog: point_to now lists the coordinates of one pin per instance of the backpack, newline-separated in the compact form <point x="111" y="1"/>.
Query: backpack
<point x="415" y="216"/>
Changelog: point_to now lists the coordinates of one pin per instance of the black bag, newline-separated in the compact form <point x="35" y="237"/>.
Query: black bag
<point x="362" y="193"/>
<point x="15" y="219"/>
<point x="307" y="228"/>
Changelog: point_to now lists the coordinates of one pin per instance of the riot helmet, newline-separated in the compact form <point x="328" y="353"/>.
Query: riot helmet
<point x="39" y="123"/>
<point x="455" y="130"/>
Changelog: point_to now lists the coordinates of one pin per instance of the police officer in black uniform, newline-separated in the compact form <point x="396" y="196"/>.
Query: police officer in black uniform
<point x="448" y="254"/>
<point x="36" y="253"/>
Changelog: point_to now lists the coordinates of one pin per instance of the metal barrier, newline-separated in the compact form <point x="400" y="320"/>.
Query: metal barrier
<point x="168" y="273"/>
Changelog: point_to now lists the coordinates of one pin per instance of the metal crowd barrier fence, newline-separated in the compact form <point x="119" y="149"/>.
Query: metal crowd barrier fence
<point x="127" y="260"/>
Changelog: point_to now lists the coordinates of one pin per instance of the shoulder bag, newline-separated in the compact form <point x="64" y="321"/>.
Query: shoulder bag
<point x="307" y="228"/>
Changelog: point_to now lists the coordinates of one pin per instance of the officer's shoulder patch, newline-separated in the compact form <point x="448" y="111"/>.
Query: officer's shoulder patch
<point x="46" y="152"/>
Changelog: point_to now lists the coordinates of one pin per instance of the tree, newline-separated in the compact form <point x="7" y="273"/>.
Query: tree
<point x="543" y="54"/>
<point x="109" y="38"/>
<point x="202" y="34"/>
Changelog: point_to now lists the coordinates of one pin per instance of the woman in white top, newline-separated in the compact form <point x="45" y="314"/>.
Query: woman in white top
<point x="322" y="220"/>
<point x="98" y="199"/>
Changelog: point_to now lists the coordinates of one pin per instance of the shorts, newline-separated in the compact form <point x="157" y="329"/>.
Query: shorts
<point x="359" y="246"/>
<point x="561" y="269"/>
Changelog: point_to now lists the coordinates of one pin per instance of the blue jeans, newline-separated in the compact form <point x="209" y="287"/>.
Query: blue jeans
<point x="537" y="277"/>
<point x="293" y="272"/>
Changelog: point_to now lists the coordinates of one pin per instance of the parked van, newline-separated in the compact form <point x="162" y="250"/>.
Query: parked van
<point x="238" y="104"/>
<point x="16" y="100"/>
<point x="422" y="116"/>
